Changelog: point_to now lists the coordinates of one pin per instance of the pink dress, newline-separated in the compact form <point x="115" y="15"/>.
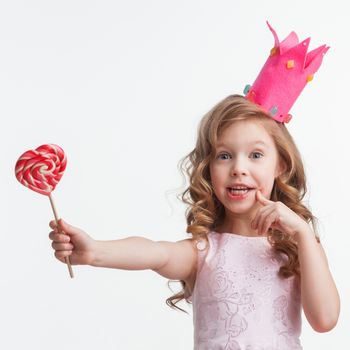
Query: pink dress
<point x="239" y="302"/>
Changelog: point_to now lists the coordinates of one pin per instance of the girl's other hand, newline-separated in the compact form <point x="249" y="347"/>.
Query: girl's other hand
<point x="277" y="215"/>
<point x="72" y="242"/>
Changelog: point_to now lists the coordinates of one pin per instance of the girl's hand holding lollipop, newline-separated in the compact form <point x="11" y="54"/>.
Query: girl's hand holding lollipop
<point x="41" y="170"/>
<point x="73" y="243"/>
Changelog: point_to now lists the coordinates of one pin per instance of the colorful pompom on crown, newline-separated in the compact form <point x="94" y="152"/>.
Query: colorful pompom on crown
<point x="284" y="75"/>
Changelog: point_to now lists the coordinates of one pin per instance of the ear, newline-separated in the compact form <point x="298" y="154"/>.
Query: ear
<point x="282" y="167"/>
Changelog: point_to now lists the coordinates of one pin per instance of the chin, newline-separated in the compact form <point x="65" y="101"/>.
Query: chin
<point x="241" y="209"/>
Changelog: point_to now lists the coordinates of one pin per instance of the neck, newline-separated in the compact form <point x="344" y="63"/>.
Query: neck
<point x="239" y="224"/>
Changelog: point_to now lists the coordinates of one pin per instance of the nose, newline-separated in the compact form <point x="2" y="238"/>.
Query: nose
<point x="239" y="167"/>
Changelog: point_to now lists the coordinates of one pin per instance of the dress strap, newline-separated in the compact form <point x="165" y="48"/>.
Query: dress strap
<point x="202" y="245"/>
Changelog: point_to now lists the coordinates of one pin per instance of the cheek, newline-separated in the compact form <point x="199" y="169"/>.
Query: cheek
<point x="215" y="182"/>
<point x="266" y="179"/>
<point x="216" y="177"/>
<point x="266" y="185"/>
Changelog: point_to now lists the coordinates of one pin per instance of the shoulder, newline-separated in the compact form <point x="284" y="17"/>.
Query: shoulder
<point x="198" y="245"/>
<point x="180" y="258"/>
<point x="195" y="244"/>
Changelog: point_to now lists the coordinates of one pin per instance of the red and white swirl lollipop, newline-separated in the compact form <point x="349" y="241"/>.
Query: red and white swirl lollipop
<point x="41" y="170"/>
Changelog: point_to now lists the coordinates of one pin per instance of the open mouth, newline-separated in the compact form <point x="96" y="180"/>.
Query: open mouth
<point x="239" y="192"/>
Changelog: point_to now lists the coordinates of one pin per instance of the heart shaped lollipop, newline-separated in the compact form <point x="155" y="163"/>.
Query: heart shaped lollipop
<point x="41" y="170"/>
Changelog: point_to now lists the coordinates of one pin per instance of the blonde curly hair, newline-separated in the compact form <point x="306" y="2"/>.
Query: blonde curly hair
<point x="205" y="212"/>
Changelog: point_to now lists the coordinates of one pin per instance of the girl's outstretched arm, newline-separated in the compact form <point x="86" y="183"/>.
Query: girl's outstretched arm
<point x="319" y="295"/>
<point x="174" y="260"/>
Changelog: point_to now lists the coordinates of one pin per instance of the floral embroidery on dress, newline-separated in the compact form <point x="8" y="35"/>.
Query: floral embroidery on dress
<point x="240" y="302"/>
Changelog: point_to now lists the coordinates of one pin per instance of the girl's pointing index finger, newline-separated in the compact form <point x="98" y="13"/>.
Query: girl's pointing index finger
<point x="260" y="197"/>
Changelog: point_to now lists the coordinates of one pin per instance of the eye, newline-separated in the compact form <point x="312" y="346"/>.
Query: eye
<point x="222" y="154"/>
<point x="257" y="153"/>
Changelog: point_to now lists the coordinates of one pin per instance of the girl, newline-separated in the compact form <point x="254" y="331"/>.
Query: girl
<point x="252" y="260"/>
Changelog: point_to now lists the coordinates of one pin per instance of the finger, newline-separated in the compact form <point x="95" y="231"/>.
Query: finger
<point x="67" y="228"/>
<point x="59" y="237"/>
<point x="61" y="254"/>
<point x="262" y="218"/>
<point x="53" y="224"/>
<point x="62" y="246"/>
<point x="261" y="211"/>
<point x="57" y="227"/>
<point x="269" y="220"/>
<point x="261" y="198"/>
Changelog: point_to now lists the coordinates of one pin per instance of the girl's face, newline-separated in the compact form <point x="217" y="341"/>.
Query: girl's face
<point x="246" y="154"/>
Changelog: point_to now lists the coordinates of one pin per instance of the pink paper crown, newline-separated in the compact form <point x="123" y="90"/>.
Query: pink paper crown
<point x="284" y="75"/>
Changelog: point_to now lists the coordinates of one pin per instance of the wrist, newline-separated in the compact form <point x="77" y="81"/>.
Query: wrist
<point x="95" y="253"/>
<point x="303" y="230"/>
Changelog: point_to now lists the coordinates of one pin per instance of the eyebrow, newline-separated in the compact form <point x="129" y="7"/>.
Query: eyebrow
<point x="250" y="143"/>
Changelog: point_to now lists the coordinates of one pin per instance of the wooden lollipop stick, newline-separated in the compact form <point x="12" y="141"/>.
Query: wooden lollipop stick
<point x="60" y="231"/>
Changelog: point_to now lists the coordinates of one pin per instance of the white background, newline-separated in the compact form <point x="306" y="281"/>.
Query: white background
<point x="121" y="87"/>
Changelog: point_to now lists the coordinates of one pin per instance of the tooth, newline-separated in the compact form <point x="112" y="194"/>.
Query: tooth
<point x="238" y="190"/>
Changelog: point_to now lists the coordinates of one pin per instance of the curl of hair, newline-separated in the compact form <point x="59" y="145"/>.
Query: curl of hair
<point x="205" y="212"/>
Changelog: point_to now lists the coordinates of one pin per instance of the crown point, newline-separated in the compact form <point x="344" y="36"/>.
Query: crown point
<point x="290" y="64"/>
<point x="306" y="42"/>
<point x="246" y="89"/>
<point x="309" y="78"/>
